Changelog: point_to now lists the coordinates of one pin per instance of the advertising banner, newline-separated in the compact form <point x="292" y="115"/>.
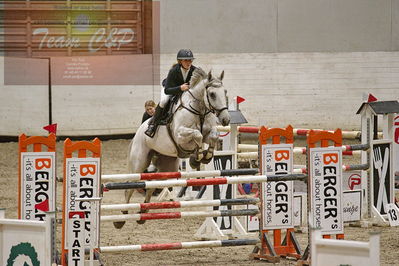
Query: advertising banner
<point x="277" y="159"/>
<point x="38" y="184"/>
<point x="83" y="182"/>
<point x="326" y="189"/>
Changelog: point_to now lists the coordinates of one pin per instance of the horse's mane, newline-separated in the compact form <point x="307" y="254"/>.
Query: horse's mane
<point x="198" y="75"/>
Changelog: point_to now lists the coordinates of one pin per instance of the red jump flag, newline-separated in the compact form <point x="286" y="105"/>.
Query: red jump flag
<point x="43" y="206"/>
<point x="51" y="128"/>
<point x="240" y="99"/>
<point x="371" y="98"/>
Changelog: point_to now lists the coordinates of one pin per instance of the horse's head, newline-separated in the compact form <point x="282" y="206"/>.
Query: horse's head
<point x="215" y="98"/>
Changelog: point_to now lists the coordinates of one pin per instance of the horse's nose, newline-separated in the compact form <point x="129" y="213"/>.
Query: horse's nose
<point x="225" y="121"/>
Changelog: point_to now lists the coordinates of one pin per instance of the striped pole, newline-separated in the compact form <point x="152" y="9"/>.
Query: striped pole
<point x="203" y="182"/>
<point x="352" y="167"/>
<point x="248" y="155"/>
<point x="176" y="215"/>
<point x="298" y="150"/>
<point x="183" y="175"/>
<point x="345" y="167"/>
<point x="178" y="204"/>
<point x="346" y="149"/>
<point x="248" y="130"/>
<point x="296" y="131"/>
<point x="181" y="245"/>
<point x="185" y="183"/>
<point x="345" y="134"/>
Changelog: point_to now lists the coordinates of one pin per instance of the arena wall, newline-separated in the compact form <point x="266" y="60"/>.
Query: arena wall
<point x="279" y="26"/>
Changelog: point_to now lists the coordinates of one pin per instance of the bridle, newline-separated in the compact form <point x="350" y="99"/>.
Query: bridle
<point x="211" y="108"/>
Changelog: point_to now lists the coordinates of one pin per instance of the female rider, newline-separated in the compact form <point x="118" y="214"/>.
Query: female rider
<point x="175" y="84"/>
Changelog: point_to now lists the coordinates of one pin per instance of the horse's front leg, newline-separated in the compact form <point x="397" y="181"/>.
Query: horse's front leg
<point x="212" y="140"/>
<point x="188" y="135"/>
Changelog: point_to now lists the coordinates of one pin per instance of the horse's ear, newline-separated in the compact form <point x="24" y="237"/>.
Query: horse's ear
<point x="209" y="75"/>
<point x="221" y="75"/>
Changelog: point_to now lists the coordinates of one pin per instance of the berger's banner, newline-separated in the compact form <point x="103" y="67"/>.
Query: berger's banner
<point x="277" y="159"/>
<point x="326" y="189"/>
<point x="38" y="184"/>
<point x="83" y="182"/>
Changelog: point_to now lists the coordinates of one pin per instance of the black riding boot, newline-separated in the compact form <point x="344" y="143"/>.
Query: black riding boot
<point x="153" y="123"/>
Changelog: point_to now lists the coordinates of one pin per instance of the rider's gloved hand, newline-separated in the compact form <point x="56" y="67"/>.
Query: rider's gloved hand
<point x="184" y="87"/>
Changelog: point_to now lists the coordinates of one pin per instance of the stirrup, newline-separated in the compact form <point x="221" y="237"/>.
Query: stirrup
<point x="150" y="132"/>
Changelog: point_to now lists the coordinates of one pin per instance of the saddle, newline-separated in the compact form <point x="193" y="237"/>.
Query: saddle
<point x="166" y="119"/>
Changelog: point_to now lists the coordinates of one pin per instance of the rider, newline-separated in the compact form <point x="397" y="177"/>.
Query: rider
<point x="175" y="84"/>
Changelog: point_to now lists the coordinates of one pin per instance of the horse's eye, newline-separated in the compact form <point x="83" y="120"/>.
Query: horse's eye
<point x="212" y="95"/>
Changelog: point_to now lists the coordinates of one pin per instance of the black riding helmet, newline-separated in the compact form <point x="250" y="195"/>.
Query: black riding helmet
<point x="185" y="54"/>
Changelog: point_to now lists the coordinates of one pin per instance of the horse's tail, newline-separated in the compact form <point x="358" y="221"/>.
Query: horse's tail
<point x="129" y="164"/>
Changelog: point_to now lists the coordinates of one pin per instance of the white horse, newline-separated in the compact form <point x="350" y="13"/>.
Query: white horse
<point x="194" y="121"/>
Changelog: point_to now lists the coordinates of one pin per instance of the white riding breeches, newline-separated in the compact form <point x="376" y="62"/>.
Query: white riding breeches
<point x="164" y="98"/>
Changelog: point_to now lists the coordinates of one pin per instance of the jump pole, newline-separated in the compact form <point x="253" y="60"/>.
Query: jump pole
<point x="181" y="245"/>
<point x="200" y="182"/>
<point x="345" y="167"/>
<point x="178" y="204"/>
<point x="296" y="131"/>
<point x="178" y="175"/>
<point x="176" y="215"/>
<point x="184" y="183"/>
<point x="349" y="150"/>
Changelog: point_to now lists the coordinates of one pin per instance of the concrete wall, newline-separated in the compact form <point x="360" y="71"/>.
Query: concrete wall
<point x="24" y="108"/>
<point x="261" y="26"/>
<point x="219" y="26"/>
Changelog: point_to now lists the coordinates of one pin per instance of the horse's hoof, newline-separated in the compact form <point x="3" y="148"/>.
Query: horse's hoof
<point x="119" y="225"/>
<point x="141" y="222"/>
<point x="194" y="163"/>
<point x="206" y="161"/>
